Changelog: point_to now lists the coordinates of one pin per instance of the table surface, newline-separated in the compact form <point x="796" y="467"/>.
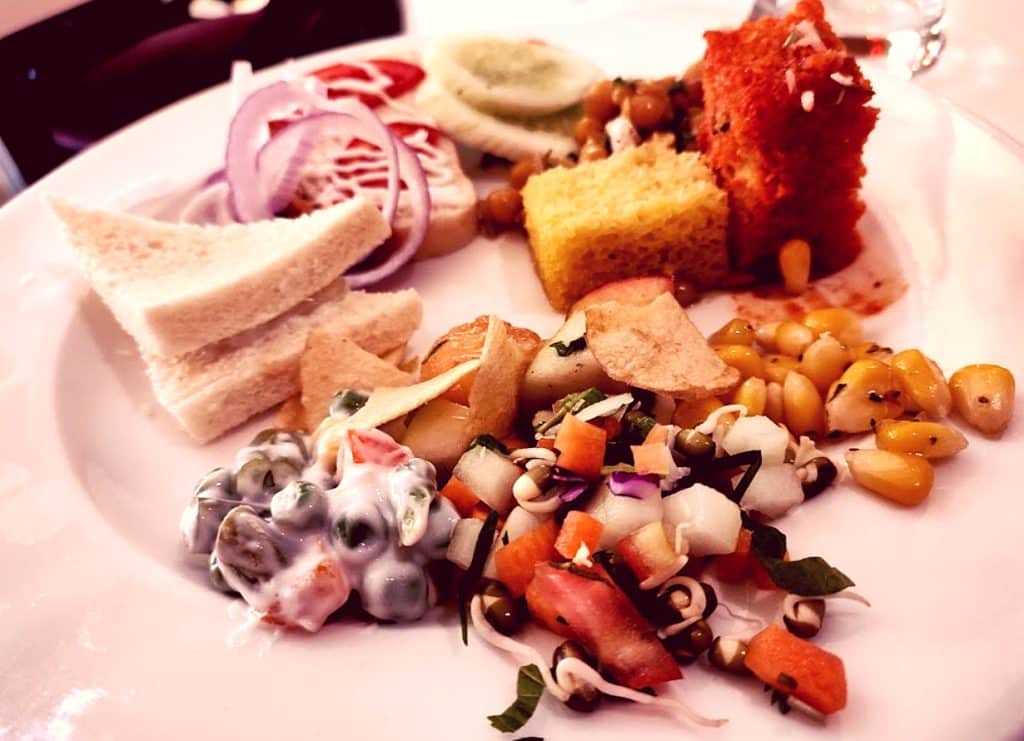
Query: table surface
<point x="980" y="69"/>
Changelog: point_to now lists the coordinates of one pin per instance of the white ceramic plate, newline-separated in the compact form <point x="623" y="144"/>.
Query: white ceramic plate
<point x="107" y="634"/>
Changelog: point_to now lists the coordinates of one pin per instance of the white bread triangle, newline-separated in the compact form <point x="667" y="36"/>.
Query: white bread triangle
<point x="177" y="287"/>
<point x="217" y="387"/>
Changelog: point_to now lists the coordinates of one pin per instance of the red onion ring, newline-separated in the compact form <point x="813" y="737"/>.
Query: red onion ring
<point x="262" y="175"/>
<point x="249" y="201"/>
<point x="419" y="199"/>
<point x="279" y="161"/>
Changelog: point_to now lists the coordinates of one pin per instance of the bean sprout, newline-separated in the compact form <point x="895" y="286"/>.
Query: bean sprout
<point x="570" y="670"/>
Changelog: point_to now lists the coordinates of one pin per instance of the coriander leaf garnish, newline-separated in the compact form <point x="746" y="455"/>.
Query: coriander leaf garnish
<point x="565" y="349"/>
<point x="806" y="577"/>
<point x="529" y="688"/>
<point x="490" y="442"/>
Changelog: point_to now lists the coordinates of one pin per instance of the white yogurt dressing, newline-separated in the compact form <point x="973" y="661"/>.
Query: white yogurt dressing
<point x="296" y="556"/>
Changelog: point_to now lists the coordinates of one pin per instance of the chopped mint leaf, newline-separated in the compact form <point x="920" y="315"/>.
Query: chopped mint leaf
<point x="529" y="688"/>
<point x="490" y="442"/>
<point x="565" y="349"/>
<point x="806" y="577"/>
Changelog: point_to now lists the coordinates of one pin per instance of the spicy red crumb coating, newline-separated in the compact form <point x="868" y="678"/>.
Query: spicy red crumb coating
<point x="790" y="172"/>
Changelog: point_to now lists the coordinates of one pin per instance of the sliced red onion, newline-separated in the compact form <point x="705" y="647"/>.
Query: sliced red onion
<point x="248" y="131"/>
<point x="565" y="476"/>
<point x="419" y="201"/>
<point x="572" y="492"/>
<point x="635" y="485"/>
<point x="280" y="161"/>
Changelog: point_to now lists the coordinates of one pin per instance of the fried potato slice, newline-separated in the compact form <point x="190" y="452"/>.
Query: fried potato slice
<point x="290" y="415"/>
<point x="505" y="356"/>
<point x="333" y="363"/>
<point x="656" y="347"/>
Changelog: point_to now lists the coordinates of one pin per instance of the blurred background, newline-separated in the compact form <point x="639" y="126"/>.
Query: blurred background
<point x="73" y="71"/>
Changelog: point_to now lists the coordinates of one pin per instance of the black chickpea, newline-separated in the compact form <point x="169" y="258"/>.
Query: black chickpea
<point x="688" y="644"/>
<point x="504" y="612"/>
<point x="584" y="697"/>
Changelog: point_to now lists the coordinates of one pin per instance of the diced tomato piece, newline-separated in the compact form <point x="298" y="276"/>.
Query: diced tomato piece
<point x="734" y="567"/>
<point x="589" y="607"/>
<point x="581" y="447"/>
<point x="461" y="496"/>
<point x="611" y="426"/>
<point x="515" y="562"/>
<point x="374" y="446"/>
<point x="799" y="668"/>
<point x="647" y="552"/>
<point x="759" y="576"/>
<point x="578" y="528"/>
<point x="547" y="443"/>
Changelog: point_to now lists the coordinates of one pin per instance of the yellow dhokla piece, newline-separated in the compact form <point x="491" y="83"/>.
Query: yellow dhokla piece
<point x="642" y="211"/>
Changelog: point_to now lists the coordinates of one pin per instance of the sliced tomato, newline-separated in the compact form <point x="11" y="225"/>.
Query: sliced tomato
<point x="406" y="129"/>
<point x="586" y="605"/>
<point x="404" y="77"/>
<point x="374" y="446"/>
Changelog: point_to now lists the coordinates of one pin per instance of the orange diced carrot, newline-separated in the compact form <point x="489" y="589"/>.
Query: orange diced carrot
<point x="652" y="458"/>
<point x="581" y="447"/>
<point x="799" y="668"/>
<point x="461" y="496"/>
<point x="691" y="413"/>
<point x="515" y="561"/>
<point x="658" y="435"/>
<point x="578" y="527"/>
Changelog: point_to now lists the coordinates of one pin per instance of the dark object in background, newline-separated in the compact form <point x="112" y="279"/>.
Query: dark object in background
<point x="76" y="77"/>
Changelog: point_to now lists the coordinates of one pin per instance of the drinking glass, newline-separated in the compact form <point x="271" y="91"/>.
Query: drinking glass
<point x="906" y="33"/>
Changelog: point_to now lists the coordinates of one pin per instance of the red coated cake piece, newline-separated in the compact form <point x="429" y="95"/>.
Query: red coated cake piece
<point x="787" y="117"/>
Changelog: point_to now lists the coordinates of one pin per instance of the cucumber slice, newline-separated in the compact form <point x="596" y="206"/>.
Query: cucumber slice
<point x="508" y="137"/>
<point x="510" y="77"/>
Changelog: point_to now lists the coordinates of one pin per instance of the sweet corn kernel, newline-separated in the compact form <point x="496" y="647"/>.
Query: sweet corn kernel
<point x="765" y="335"/>
<point x="792" y="338"/>
<point x="753" y="394"/>
<point x="743" y="358"/>
<point x="841" y="323"/>
<point x="870" y="351"/>
<point x="734" y="332"/>
<point x="773" y="405"/>
<point x="824" y="361"/>
<point x="691" y="413"/>
<point x="802" y="406"/>
<point x="983" y="396"/>
<point x="903" y="478"/>
<point x="922" y="383"/>
<point x="930" y="439"/>
<point x="795" y="266"/>
<point x="777" y="367"/>
<point x="863" y="396"/>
